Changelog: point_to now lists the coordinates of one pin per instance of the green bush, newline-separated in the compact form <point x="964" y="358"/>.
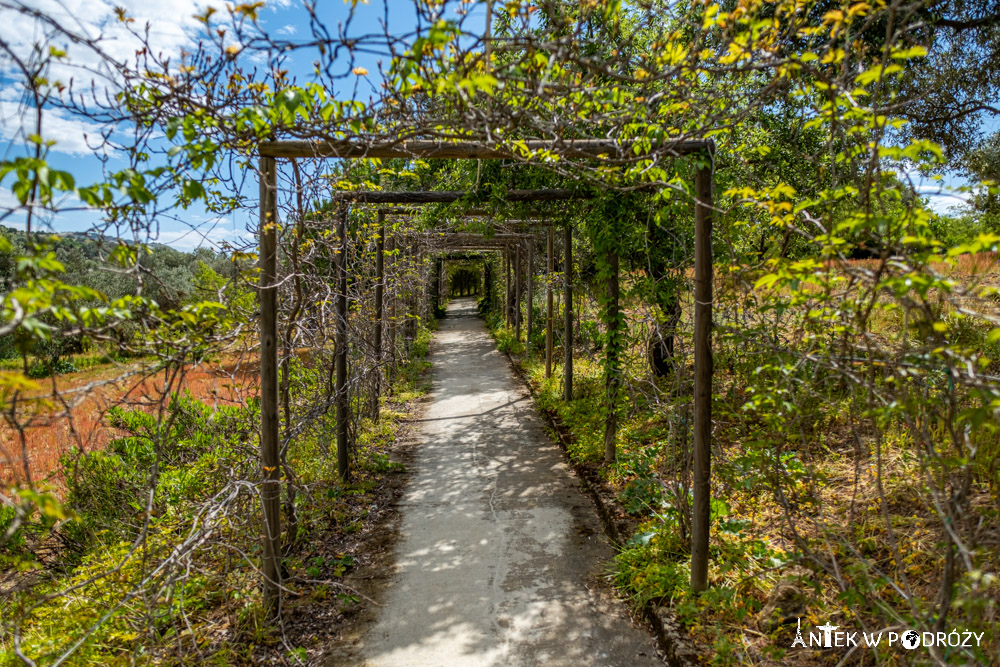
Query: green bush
<point x="43" y="369"/>
<point x="11" y="547"/>
<point x="109" y="489"/>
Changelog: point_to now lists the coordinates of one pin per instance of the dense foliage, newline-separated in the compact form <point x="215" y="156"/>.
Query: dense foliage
<point x="855" y="330"/>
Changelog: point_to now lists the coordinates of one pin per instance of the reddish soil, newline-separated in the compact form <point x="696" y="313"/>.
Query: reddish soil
<point x="69" y="412"/>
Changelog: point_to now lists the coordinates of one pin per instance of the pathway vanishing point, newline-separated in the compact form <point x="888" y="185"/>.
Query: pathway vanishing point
<point x="499" y="549"/>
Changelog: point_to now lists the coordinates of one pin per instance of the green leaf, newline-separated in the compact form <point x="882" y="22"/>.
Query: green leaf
<point x="766" y="281"/>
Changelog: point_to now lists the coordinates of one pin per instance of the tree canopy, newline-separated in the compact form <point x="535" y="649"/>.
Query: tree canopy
<point x="855" y="326"/>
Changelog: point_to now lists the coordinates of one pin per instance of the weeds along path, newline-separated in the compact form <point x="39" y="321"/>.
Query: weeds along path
<point x="499" y="549"/>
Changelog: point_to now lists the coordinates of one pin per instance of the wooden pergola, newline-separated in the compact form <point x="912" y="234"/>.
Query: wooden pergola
<point x="550" y="265"/>
<point x="607" y="152"/>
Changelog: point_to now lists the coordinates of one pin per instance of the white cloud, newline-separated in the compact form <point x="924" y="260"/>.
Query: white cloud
<point x="942" y="203"/>
<point x="72" y="136"/>
<point x="212" y="234"/>
<point x="172" y="27"/>
<point x="8" y="201"/>
<point x="61" y="200"/>
<point x="941" y="197"/>
<point x="171" y="23"/>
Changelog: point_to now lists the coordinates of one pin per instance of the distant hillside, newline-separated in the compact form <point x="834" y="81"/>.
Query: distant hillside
<point x="167" y="275"/>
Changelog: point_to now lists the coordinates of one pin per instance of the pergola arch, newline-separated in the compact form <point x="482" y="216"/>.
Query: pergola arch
<point x="603" y="150"/>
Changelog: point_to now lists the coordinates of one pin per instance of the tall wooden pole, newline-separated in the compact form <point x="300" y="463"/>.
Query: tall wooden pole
<point x="428" y="289"/>
<point x="270" y="493"/>
<point x="413" y="272"/>
<point x="425" y="279"/>
<point x="702" y="379"/>
<point x="517" y="292"/>
<point x="436" y="286"/>
<point x="379" y="313"/>
<point x="613" y="377"/>
<point x="506" y="287"/>
<point x="548" y="302"/>
<point x="531" y="291"/>
<point x="488" y="283"/>
<point x="343" y="415"/>
<point x="393" y="298"/>
<point x="568" y="324"/>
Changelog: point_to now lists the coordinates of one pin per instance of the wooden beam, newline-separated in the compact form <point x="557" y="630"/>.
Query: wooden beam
<point x="343" y="406"/>
<point x="430" y="237"/>
<point x="471" y="214"/>
<point x="467" y="247"/>
<point x="702" y="472"/>
<point x="548" y="302"/>
<point x="448" y="196"/>
<point x="602" y="149"/>
<point x="568" y="323"/>
<point x="458" y="255"/>
<point x="269" y="447"/>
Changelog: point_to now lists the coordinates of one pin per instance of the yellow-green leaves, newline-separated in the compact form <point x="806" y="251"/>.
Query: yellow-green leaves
<point x="877" y="73"/>
<point x="909" y="53"/>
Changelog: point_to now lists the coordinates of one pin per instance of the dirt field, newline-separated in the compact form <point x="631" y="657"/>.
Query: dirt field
<point x="69" y="410"/>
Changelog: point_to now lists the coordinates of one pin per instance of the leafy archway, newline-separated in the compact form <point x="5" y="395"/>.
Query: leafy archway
<point x="464" y="277"/>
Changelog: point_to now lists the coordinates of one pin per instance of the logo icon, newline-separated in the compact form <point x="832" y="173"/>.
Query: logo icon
<point x="798" y="636"/>
<point x="910" y="639"/>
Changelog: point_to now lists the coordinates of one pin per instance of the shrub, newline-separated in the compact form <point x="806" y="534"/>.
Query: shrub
<point x="43" y="369"/>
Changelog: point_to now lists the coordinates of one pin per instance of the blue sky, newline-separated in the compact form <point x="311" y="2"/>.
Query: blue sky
<point x="174" y="28"/>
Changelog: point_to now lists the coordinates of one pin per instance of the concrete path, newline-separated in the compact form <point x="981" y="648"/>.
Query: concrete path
<point x="499" y="548"/>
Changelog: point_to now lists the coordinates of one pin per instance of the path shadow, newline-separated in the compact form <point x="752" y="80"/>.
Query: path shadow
<point x="499" y="548"/>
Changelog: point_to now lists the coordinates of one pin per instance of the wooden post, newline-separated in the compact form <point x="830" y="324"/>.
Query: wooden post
<point x="612" y="378"/>
<point x="379" y="313"/>
<point x="412" y="299"/>
<point x="506" y="287"/>
<point x="550" y="242"/>
<point x="568" y="324"/>
<point x="270" y="493"/>
<point x="531" y="292"/>
<point x="424" y="305"/>
<point x="517" y="292"/>
<point x="702" y="379"/>
<point x="436" y="286"/>
<point x="343" y="414"/>
<point x="488" y="283"/>
<point x="393" y="298"/>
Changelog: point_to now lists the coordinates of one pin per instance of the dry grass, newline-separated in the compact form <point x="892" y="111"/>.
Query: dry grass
<point x="978" y="264"/>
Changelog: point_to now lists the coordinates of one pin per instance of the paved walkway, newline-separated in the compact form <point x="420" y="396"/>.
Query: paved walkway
<point x="499" y="548"/>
